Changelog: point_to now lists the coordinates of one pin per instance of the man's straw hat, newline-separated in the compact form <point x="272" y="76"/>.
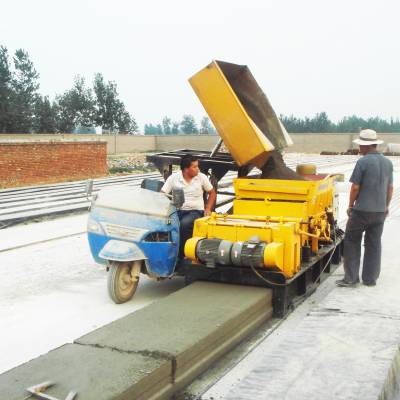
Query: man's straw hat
<point x="367" y="137"/>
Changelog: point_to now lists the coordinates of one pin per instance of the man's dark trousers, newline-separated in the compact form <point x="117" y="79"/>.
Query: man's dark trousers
<point x="186" y="219"/>
<point x="372" y="224"/>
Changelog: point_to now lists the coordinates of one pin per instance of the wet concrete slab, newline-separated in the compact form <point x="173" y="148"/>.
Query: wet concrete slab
<point x="94" y="373"/>
<point x="152" y="353"/>
<point x="191" y="327"/>
<point x="347" y="346"/>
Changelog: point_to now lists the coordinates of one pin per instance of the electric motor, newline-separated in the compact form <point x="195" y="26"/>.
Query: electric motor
<point x="225" y="252"/>
<point x="214" y="251"/>
<point x="247" y="254"/>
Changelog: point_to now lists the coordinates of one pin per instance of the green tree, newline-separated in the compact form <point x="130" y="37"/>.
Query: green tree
<point x="76" y="107"/>
<point x="394" y="125"/>
<point x="175" y="128"/>
<point x="293" y="124"/>
<point x="206" y="128"/>
<point x="65" y="111"/>
<point x="320" y="123"/>
<point x="82" y="99"/>
<point x="110" y="112"/>
<point x="150" y="129"/>
<point x="352" y="124"/>
<point x="379" y="124"/>
<point x="5" y="89"/>
<point x="24" y="93"/>
<point x="166" y="126"/>
<point x="188" y="124"/>
<point x="45" y="119"/>
<point x="104" y="102"/>
<point x="126" y="123"/>
<point x="107" y="103"/>
<point x="147" y="129"/>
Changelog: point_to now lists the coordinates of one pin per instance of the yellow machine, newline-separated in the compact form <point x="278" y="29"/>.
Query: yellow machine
<point x="274" y="222"/>
<point x="280" y="216"/>
<point x="240" y="111"/>
<point x="281" y="232"/>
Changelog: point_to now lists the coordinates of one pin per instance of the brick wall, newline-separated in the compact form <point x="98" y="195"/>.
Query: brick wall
<point x="27" y="163"/>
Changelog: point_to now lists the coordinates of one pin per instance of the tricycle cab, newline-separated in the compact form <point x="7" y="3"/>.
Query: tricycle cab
<point x="133" y="224"/>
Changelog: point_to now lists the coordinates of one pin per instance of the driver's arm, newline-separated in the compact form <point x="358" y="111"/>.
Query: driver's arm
<point x="212" y="197"/>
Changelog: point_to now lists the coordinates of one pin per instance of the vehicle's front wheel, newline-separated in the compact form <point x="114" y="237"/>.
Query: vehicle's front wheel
<point x="123" y="280"/>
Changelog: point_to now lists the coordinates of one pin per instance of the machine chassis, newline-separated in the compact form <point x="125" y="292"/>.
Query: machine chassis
<point x="286" y="292"/>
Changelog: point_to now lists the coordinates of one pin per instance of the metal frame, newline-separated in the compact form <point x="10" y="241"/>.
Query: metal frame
<point x="214" y="164"/>
<point x="287" y="293"/>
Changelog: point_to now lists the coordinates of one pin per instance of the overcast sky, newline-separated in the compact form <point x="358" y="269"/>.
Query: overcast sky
<point x="342" y="57"/>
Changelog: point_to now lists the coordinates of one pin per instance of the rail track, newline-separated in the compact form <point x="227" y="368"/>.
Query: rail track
<point x="27" y="203"/>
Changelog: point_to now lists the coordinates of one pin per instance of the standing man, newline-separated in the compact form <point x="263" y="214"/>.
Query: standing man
<point x="370" y="195"/>
<point x="194" y="184"/>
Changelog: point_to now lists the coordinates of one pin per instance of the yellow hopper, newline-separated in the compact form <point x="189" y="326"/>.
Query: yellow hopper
<point x="240" y="111"/>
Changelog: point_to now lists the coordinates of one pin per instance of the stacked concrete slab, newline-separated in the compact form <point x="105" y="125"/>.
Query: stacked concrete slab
<point x="152" y="353"/>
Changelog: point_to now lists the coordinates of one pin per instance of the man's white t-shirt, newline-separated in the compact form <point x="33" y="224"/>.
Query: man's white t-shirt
<point x="193" y="191"/>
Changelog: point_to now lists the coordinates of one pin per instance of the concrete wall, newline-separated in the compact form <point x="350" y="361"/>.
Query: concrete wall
<point x="25" y="163"/>
<point x="195" y="142"/>
<point x="131" y="144"/>
<point x="315" y="143"/>
<point x="312" y="143"/>
<point x="116" y="144"/>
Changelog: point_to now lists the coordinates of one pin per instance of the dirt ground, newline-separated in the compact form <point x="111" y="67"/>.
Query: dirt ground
<point x="129" y="163"/>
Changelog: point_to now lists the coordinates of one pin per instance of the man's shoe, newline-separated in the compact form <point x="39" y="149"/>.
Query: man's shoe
<point x="369" y="283"/>
<point x="343" y="283"/>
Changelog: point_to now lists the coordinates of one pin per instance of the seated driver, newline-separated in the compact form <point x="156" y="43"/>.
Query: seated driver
<point x="193" y="183"/>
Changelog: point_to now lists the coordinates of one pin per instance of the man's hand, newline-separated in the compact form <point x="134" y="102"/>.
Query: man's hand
<point x="388" y="199"/>
<point x="212" y="197"/>
<point x="354" y="191"/>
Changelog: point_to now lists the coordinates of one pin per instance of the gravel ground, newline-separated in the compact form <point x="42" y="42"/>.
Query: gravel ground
<point x="129" y="163"/>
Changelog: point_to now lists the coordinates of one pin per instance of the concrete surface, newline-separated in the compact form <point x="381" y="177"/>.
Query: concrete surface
<point x="346" y="347"/>
<point x="94" y="373"/>
<point x="34" y="233"/>
<point x="152" y="352"/>
<point x="55" y="289"/>
<point x="189" y="326"/>
<point x="51" y="284"/>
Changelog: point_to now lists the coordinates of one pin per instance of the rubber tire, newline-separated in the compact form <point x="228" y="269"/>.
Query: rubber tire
<point x="119" y="289"/>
